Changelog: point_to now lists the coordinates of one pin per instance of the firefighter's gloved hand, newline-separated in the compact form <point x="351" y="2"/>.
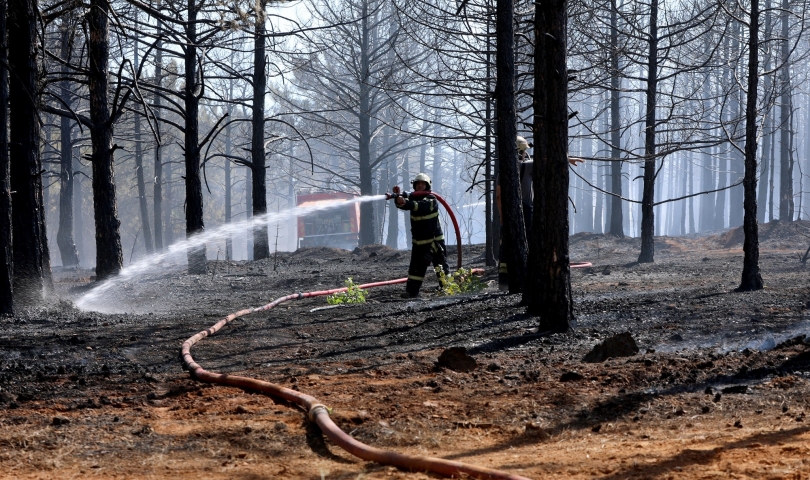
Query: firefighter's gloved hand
<point x="395" y="189"/>
<point x="400" y="200"/>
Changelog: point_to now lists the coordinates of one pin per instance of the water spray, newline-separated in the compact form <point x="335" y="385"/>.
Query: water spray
<point x="174" y="259"/>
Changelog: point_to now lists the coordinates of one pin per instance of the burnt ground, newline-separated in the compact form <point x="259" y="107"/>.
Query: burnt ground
<point x="719" y="388"/>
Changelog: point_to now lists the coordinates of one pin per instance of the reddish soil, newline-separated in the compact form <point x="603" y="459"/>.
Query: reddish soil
<point x="719" y="388"/>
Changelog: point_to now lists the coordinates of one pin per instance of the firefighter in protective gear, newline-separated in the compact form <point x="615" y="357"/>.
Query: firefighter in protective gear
<point x="428" y="239"/>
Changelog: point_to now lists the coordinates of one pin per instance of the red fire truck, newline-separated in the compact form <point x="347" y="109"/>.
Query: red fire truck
<point x="335" y="227"/>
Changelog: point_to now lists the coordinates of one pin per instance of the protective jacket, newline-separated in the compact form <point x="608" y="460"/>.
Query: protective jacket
<point x="425" y="226"/>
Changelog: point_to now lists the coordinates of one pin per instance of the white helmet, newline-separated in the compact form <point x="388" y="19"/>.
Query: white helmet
<point x="421" y="177"/>
<point x="522" y="144"/>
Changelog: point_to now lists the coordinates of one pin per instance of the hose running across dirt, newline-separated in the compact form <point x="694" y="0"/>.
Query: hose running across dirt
<point x="319" y="413"/>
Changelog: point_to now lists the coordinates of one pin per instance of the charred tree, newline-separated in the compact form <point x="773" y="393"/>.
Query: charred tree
<point x="786" y="203"/>
<point x="436" y="167"/>
<point x="767" y="133"/>
<point x="157" y="188"/>
<point x="392" y="236"/>
<point x="751" y="278"/>
<point x="6" y="256"/>
<point x="489" y="191"/>
<point x="261" y="246"/>
<point x="31" y="258"/>
<point x="146" y="228"/>
<point x="197" y="261"/>
<point x="548" y="289"/>
<point x="64" y="236"/>
<point x="228" y="180"/>
<point x="109" y="256"/>
<point x="736" y="160"/>
<point x="513" y="232"/>
<point x="647" y="253"/>
<point x="367" y="229"/>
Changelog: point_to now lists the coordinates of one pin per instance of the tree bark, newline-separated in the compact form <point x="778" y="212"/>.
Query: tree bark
<point x="109" y="255"/>
<point x="736" y="161"/>
<point x="139" y="178"/>
<point x="146" y="227"/>
<point x="157" y="189"/>
<point x="513" y="230"/>
<point x="767" y="133"/>
<point x="548" y="288"/>
<point x="64" y="236"/>
<point x="706" y="177"/>
<point x="751" y="278"/>
<point x="489" y="191"/>
<point x="6" y="255"/>
<point x="436" y="175"/>
<point x="32" y="269"/>
<point x="249" y="210"/>
<point x="229" y="182"/>
<point x="647" y="254"/>
<point x="785" y="160"/>
<point x="406" y="175"/>
<point x="78" y="204"/>
<point x="197" y="261"/>
<point x="392" y="237"/>
<point x="367" y="229"/>
<point x="261" y="245"/>
<point x="616" y="218"/>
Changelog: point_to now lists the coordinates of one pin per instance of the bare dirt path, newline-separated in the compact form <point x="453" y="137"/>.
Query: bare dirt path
<point x="719" y="388"/>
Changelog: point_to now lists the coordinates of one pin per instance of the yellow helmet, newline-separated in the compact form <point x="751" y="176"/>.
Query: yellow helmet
<point x="522" y="144"/>
<point x="421" y="177"/>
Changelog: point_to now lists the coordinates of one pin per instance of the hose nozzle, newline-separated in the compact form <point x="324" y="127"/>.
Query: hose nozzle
<point x="396" y="192"/>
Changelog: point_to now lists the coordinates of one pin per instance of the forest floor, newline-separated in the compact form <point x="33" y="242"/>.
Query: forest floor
<point x="719" y="389"/>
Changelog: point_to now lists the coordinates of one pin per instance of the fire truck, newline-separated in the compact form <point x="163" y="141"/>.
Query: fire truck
<point x="337" y="227"/>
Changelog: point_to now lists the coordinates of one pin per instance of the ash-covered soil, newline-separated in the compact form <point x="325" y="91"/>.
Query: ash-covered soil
<point x="719" y="388"/>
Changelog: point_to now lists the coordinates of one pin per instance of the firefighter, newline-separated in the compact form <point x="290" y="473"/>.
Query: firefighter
<point x="428" y="239"/>
<point x="525" y="172"/>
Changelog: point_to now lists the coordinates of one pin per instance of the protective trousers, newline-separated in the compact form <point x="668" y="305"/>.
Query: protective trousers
<point x="421" y="257"/>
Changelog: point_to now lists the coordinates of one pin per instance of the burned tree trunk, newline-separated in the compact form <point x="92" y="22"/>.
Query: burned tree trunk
<point x="157" y="189"/>
<point x="513" y="241"/>
<point x="109" y="257"/>
<point x="367" y="225"/>
<point x="228" y="182"/>
<point x="64" y="236"/>
<point x="261" y="246"/>
<point x="548" y="288"/>
<point x="6" y="257"/>
<point x="786" y="204"/>
<point x="197" y="262"/>
<point x="616" y="227"/>
<point x="647" y="253"/>
<point x="392" y="238"/>
<point x="139" y="178"/>
<point x="141" y="183"/>
<point x="32" y="269"/>
<point x="751" y="278"/>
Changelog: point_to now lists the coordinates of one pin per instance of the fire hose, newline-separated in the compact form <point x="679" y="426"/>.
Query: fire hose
<point x="455" y="223"/>
<point x="319" y="413"/>
<point x="446" y="209"/>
